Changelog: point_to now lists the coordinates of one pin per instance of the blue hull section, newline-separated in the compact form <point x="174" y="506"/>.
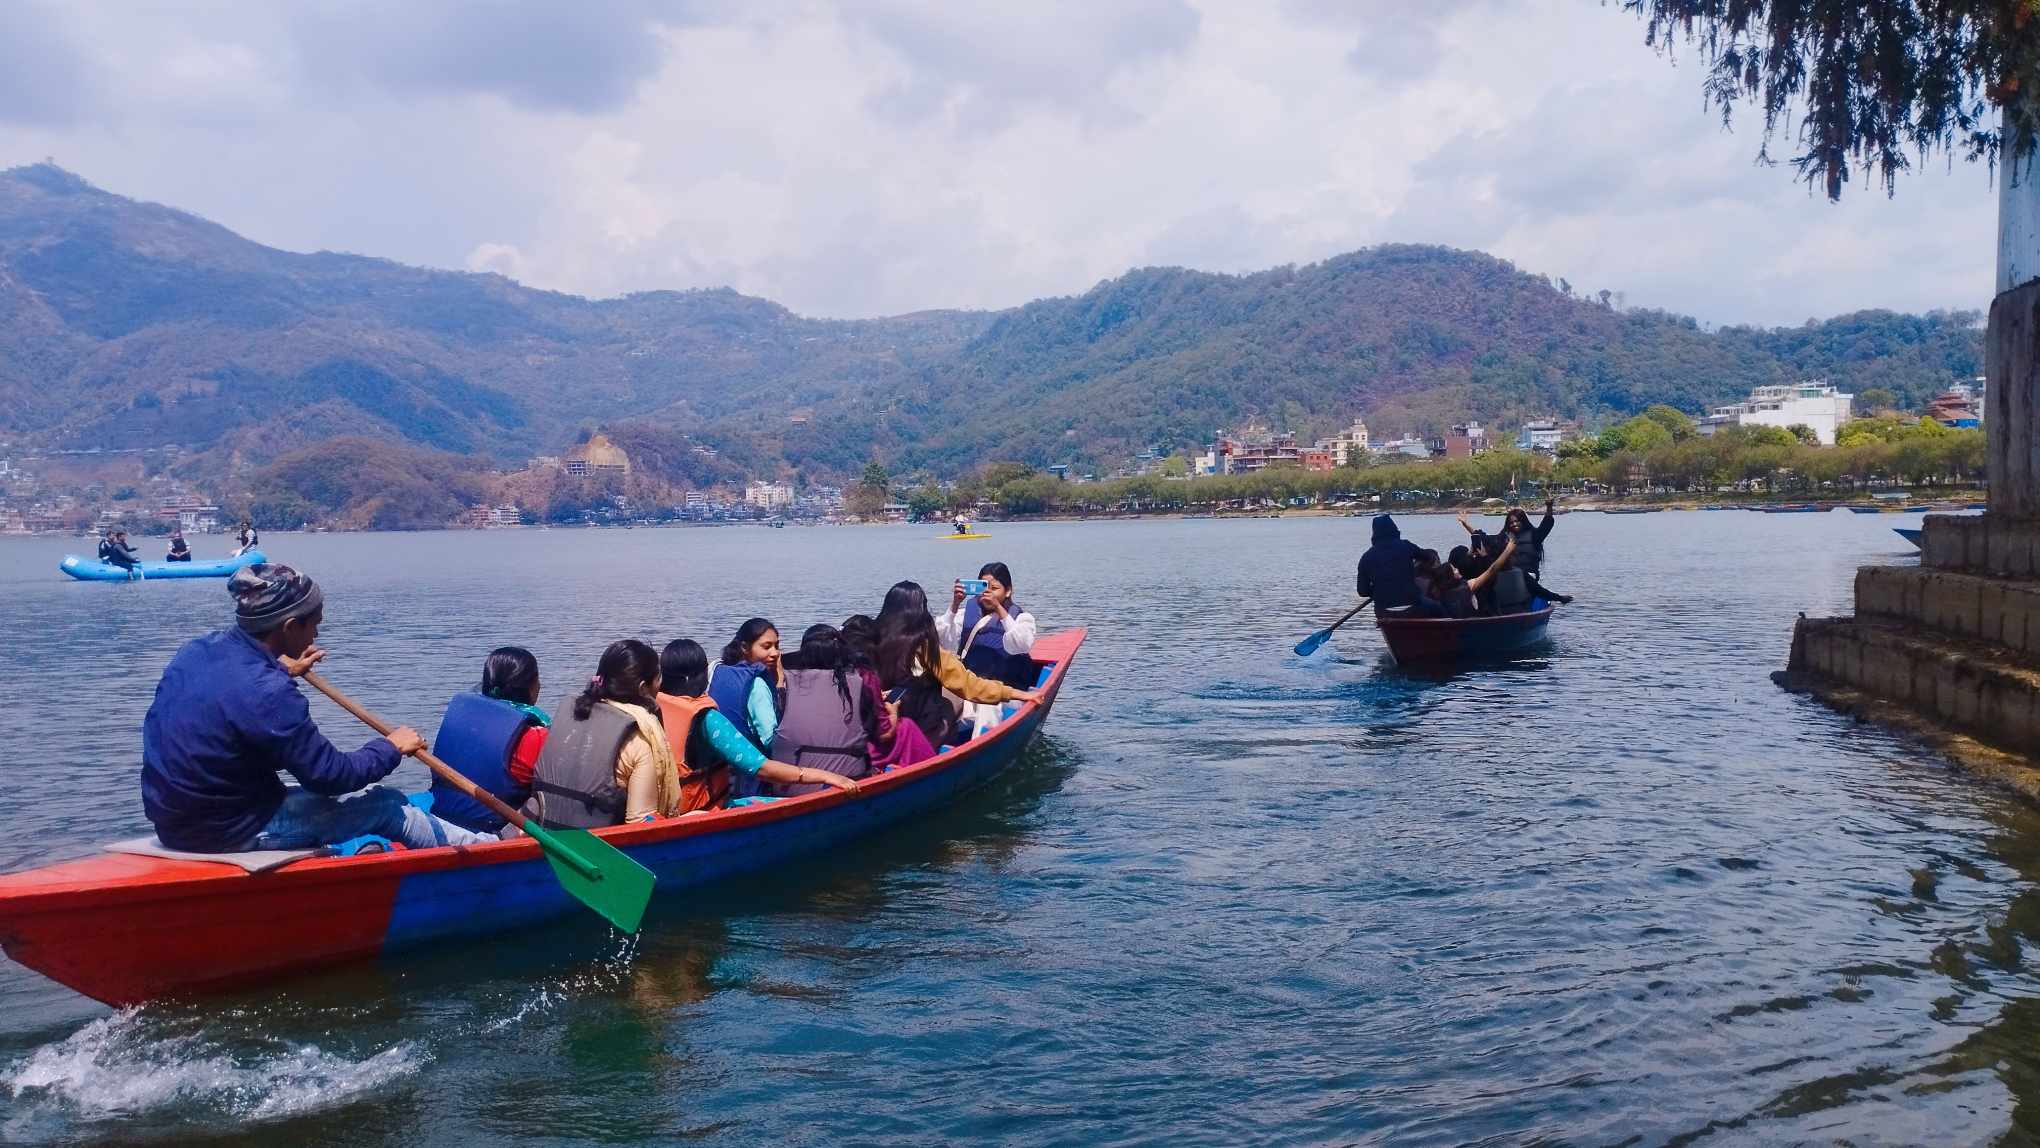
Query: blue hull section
<point x="93" y="570"/>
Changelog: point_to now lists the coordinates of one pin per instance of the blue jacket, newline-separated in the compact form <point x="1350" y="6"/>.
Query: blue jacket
<point x="225" y="720"/>
<point x="1388" y="569"/>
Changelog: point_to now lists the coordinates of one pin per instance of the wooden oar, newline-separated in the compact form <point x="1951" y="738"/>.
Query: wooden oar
<point x="600" y="875"/>
<point x="1309" y="646"/>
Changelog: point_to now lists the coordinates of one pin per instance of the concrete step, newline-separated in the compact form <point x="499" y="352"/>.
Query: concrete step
<point x="1977" y="686"/>
<point x="2004" y="612"/>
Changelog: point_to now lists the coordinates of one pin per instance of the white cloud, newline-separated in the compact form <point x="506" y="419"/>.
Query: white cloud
<point x="893" y="155"/>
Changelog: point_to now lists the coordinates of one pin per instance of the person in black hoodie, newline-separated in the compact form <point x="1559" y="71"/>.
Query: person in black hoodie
<point x="1388" y="569"/>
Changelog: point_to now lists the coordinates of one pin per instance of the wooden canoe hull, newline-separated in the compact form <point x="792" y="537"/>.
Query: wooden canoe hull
<point x="1432" y="641"/>
<point x="123" y="929"/>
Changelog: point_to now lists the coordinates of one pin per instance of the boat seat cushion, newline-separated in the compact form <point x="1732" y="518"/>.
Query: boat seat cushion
<point x="254" y="861"/>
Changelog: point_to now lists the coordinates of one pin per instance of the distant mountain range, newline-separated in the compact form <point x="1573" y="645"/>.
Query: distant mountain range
<point x="129" y="324"/>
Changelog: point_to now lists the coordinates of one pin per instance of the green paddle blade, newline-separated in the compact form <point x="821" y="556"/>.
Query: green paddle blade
<point x="1310" y="645"/>
<point x="602" y="876"/>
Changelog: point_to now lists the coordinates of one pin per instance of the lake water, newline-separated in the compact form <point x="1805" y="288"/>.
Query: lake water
<point x="1624" y="891"/>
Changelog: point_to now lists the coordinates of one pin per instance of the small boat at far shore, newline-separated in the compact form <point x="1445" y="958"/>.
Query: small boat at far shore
<point x="1435" y="641"/>
<point x="93" y="570"/>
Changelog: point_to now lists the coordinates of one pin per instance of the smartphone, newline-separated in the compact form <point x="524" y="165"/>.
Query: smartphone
<point x="974" y="585"/>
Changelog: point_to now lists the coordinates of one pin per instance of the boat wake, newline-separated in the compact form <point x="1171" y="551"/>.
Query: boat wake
<point x="130" y="1064"/>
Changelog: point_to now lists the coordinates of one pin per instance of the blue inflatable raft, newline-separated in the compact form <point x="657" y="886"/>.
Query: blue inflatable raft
<point x="93" y="570"/>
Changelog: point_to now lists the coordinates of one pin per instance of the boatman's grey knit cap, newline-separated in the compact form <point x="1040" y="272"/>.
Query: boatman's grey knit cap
<point x="268" y="594"/>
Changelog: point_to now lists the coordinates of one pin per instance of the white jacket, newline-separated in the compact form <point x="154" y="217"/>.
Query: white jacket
<point x="1020" y="631"/>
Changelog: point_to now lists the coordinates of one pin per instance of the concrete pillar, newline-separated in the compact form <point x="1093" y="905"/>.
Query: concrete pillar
<point x="2012" y="344"/>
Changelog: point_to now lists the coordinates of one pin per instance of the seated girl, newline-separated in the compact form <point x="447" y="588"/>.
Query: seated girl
<point x="746" y="687"/>
<point x="493" y="735"/>
<point x="828" y="723"/>
<point x="606" y="760"/>
<point x="990" y="631"/>
<point x="919" y="674"/>
<point x="1458" y="593"/>
<point x="708" y="748"/>
<point x="898" y="743"/>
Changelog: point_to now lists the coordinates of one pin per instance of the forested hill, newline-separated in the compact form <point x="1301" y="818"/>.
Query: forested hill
<point x="128" y="324"/>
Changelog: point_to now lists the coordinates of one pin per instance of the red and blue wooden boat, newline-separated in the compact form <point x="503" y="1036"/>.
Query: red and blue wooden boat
<point x="124" y="928"/>
<point x="1416" y="641"/>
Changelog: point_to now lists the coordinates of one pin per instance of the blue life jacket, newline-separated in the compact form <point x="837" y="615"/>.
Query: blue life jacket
<point x="475" y="738"/>
<point x="986" y="654"/>
<point x="729" y="687"/>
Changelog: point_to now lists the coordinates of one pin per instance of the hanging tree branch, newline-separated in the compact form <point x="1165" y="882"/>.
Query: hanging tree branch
<point x="1874" y="83"/>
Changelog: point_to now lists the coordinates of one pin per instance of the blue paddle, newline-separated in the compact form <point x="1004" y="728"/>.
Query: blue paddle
<point x="1309" y="646"/>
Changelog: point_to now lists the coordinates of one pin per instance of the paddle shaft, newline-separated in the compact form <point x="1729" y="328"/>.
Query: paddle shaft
<point x="1349" y="615"/>
<point x="495" y="804"/>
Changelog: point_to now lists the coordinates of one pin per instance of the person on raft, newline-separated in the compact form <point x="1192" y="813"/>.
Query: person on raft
<point x="115" y="551"/>
<point x="246" y="539"/>
<point x="1529" y="542"/>
<point x="228" y="718"/>
<point x="491" y="735"/>
<point x="180" y="551"/>
<point x="960" y="526"/>
<point x="707" y="746"/>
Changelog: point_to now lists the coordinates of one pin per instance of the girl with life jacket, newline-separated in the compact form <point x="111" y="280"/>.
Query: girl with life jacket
<point x="746" y="686"/>
<point x="916" y="669"/>
<point x="606" y="760"/>
<point x="830" y="723"/>
<point x="708" y="749"/>
<point x="990" y="631"/>
<point x="493" y="735"/>
<point x="899" y="743"/>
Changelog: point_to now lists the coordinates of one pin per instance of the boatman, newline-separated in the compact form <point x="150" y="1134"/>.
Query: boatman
<point x="228" y="718"/>
<point x="1388" y="570"/>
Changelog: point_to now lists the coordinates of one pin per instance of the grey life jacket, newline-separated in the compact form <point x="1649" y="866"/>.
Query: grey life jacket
<point x="574" y="784"/>
<point x="819" y="731"/>
<point x="1511" y="590"/>
<point x="1529" y="552"/>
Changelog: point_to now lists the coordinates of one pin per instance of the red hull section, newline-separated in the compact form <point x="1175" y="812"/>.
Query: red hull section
<point x="1428" y="641"/>
<point x="123" y="929"/>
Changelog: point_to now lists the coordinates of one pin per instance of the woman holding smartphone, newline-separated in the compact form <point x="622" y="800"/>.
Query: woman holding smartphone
<point x="989" y="630"/>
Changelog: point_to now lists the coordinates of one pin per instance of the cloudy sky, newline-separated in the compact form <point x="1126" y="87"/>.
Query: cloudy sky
<point x="871" y="158"/>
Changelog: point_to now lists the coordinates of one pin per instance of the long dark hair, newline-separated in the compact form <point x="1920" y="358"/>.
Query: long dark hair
<point x="739" y="650"/>
<point x="683" y="668"/>
<point x="860" y="637"/>
<point x="998" y="570"/>
<point x="906" y="635"/>
<point x="509" y="673"/>
<point x="822" y="648"/>
<point x="628" y="672"/>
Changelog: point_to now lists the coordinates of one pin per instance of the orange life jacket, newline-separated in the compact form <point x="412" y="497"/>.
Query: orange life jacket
<point x="704" y="775"/>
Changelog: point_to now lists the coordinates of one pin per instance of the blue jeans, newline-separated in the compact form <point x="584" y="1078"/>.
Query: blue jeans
<point x="306" y="820"/>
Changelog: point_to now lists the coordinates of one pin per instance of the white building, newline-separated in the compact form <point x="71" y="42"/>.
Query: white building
<point x="1409" y="445"/>
<point x="1540" y="435"/>
<point x="1816" y="406"/>
<point x="768" y="495"/>
<point x="1347" y="443"/>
